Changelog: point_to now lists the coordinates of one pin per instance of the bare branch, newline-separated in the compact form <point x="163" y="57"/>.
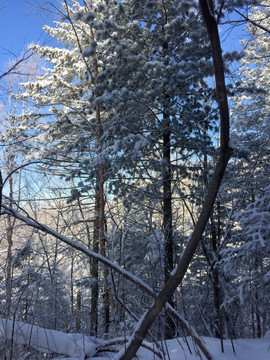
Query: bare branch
<point x="42" y="227"/>
<point x="1" y="8"/>
<point x="17" y="169"/>
<point x="126" y="274"/>
<point x="12" y="69"/>
<point x="253" y="22"/>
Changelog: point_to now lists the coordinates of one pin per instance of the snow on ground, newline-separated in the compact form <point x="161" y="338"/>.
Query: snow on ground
<point x="177" y="349"/>
<point x="245" y="349"/>
<point x="47" y="340"/>
<point x="78" y="346"/>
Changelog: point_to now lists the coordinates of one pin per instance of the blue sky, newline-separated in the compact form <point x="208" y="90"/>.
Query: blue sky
<point x="20" y="24"/>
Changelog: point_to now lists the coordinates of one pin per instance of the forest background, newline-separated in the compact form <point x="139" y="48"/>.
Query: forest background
<point x="115" y="138"/>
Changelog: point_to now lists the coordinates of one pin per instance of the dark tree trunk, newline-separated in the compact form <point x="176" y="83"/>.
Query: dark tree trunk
<point x="215" y="281"/>
<point x="219" y="331"/>
<point x="258" y="317"/>
<point x="167" y="220"/>
<point x="108" y="295"/>
<point x="94" y="273"/>
<point x="167" y="193"/>
<point x="78" y="310"/>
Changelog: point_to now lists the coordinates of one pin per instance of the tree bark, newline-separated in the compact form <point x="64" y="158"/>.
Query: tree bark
<point x="94" y="273"/>
<point x="167" y="191"/>
<point x="108" y="295"/>
<point x="9" y="250"/>
<point x="216" y="284"/>
<point x="78" y="310"/>
<point x="167" y="219"/>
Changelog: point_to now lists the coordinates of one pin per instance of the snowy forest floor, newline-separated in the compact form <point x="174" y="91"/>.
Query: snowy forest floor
<point x="245" y="349"/>
<point x="177" y="349"/>
<point x="77" y="346"/>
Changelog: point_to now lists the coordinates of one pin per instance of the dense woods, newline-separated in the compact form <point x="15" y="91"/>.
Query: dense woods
<point x="134" y="182"/>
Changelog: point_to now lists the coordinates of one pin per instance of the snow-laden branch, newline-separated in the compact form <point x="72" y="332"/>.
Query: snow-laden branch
<point x="48" y="341"/>
<point x="248" y="19"/>
<point x="51" y="341"/>
<point x="126" y="274"/>
<point x="12" y="69"/>
<point x="82" y="248"/>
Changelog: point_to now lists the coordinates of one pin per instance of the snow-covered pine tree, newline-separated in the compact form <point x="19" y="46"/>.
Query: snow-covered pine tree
<point x="137" y="75"/>
<point x="250" y="114"/>
<point x="248" y="191"/>
<point x="69" y="134"/>
<point x="154" y="100"/>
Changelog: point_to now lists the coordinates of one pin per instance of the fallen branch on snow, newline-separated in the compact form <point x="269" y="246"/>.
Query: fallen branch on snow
<point x="48" y="341"/>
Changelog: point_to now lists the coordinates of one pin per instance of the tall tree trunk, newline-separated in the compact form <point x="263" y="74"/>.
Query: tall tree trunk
<point x="71" y="283"/>
<point x="216" y="284"/>
<point x="215" y="238"/>
<point x="78" y="310"/>
<point x="257" y="301"/>
<point x="256" y="307"/>
<point x="9" y="254"/>
<point x="94" y="272"/>
<point x="8" y="284"/>
<point x="167" y="193"/>
<point x="258" y="317"/>
<point x="167" y="220"/>
<point x="108" y="296"/>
